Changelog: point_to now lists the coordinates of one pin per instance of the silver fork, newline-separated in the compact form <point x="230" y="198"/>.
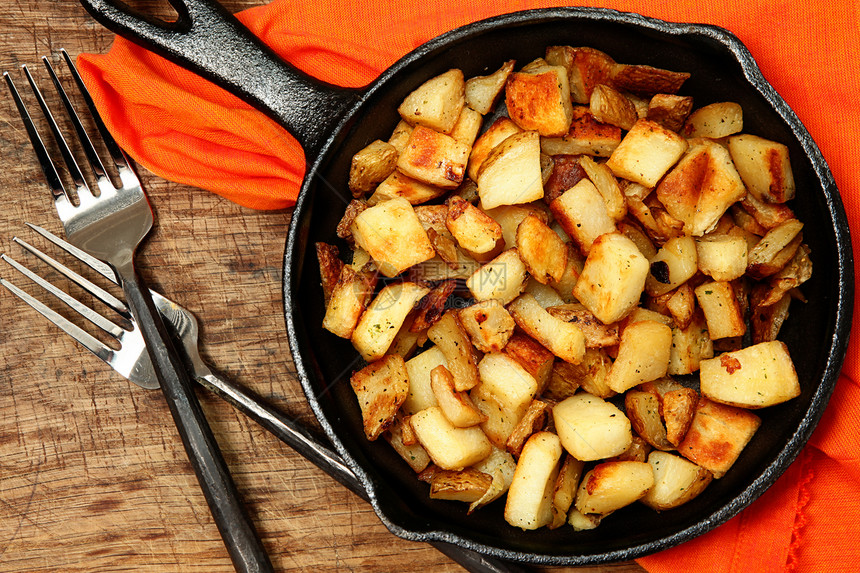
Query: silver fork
<point x="132" y="363"/>
<point x="109" y="226"/>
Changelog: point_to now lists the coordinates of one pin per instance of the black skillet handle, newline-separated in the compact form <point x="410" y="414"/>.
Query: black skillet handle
<point x="210" y="41"/>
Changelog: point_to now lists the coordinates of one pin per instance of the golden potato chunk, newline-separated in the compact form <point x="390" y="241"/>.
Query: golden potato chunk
<point x="419" y="368"/>
<point x="764" y="166"/>
<point x="381" y="388"/>
<point x="613" y="485"/>
<point x="473" y="229"/>
<point x="488" y="324"/>
<point x="676" y="481"/>
<point x="586" y="68"/>
<point x="529" y="502"/>
<point x="717" y="435"/>
<point x="722" y="257"/>
<point x="503" y="278"/>
<point x="436" y="103"/>
<point x="467" y="485"/>
<point x="581" y="212"/>
<point x="669" y="110"/>
<point x="608" y="105"/>
<point x="753" y="377"/>
<point x="434" y="158"/>
<point x="392" y="235"/>
<point x="511" y="174"/>
<point x="643" y="355"/>
<point x="673" y="265"/>
<point x="399" y="185"/>
<point x="715" y="121"/>
<point x="722" y="311"/>
<point x="450" y="447"/>
<point x="380" y="323"/>
<point x="370" y="166"/>
<point x="532" y="356"/>
<point x="541" y="250"/>
<point x="482" y="92"/>
<point x="646" y="153"/>
<point x="500" y="130"/>
<point x="349" y="298"/>
<point x="457" y="406"/>
<point x="585" y="136"/>
<point x="539" y="99"/>
<point x="591" y="428"/>
<point x="564" y="339"/>
<point x="450" y="337"/>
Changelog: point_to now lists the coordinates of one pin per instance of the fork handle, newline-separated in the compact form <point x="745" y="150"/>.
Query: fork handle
<point x="237" y="530"/>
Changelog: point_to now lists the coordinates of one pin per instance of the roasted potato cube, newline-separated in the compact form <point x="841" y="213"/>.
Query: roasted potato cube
<point x="722" y="257"/>
<point x="532" y="356"/>
<point x="754" y="377"/>
<point x="613" y="278"/>
<point x="669" y="110"/>
<point x="586" y="136"/>
<point x="450" y="447"/>
<point x="581" y="212"/>
<point x="381" y="388"/>
<point x="566" y="173"/>
<point x="380" y="323"/>
<point x="679" y="407"/>
<point x="432" y="306"/>
<point x="586" y="68"/>
<point x="646" y="153"/>
<point x="717" y="435"/>
<point x="608" y="105"/>
<point x="511" y="173"/>
<point x="344" y="226"/>
<point x="399" y="185"/>
<point x="643" y="411"/>
<point x="690" y="345"/>
<point x="349" y="299"/>
<point x="564" y="339"/>
<point x="457" y="406"/>
<point x="529" y="502"/>
<point x="330" y="267"/>
<point x="434" y="158"/>
<point x="589" y="375"/>
<point x="643" y="355"/>
<point x="673" y="265"/>
<point x="768" y="250"/>
<point x="607" y="186"/>
<point x="467" y="127"/>
<point x="436" y="103"/>
<point x="418" y="368"/>
<point x="701" y="187"/>
<point x="541" y="250"/>
<point x="539" y="99"/>
<point x="370" y="166"/>
<point x="501" y="466"/>
<point x="546" y="295"/>
<point x="505" y="391"/>
<point x="764" y="166"/>
<point x="597" y="334"/>
<point x="767" y="320"/>
<point x="767" y="215"/>
<point x="676" y="481"/>
<point x="715" y="121"/>
<point x="721" y="308"/>
<point x="613" y="485"/>
<point x="482" y="92"/>
<point x="532" y="421"/>
<point x="474" y="230"/>
<point x="647" y="81"/>
<point x="637" y="452"/>
<point x="413" y="454"/>
<point x="681" y="305"/>
<point x="591" y="428"/>
<point x="467" y="485"/>
<point x="450" y="337"/>
<point x="564" y="490"/>
<point x="503" y="278"/>
<point x="400" y="136"/>
<point x="500" y="130"/>
<point x="488" y="324"/>
<point x="392" y="235"/>
<point x="509" y="218"/>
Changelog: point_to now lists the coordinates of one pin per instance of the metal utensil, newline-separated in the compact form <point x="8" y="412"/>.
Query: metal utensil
<point x="133" y="363"/>
<point x="109" y="226"/>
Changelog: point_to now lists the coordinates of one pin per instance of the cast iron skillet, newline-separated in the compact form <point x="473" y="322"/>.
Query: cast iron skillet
<point x="333" y="123"/>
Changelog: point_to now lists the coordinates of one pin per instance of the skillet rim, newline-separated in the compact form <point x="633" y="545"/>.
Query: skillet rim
<point x="296" y="247"/>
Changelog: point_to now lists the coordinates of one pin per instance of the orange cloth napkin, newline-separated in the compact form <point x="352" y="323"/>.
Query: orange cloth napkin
<point x="189" y="131"/>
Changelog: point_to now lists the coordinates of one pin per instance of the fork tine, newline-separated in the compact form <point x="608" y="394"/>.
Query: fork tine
<point x="73" y="303"/>
<point x="81" y="186"/>
<point x="58" y="190"/>
<point x="95" y="264"/>
<point x="107" y="298"/>
<point x="90" y="342"/>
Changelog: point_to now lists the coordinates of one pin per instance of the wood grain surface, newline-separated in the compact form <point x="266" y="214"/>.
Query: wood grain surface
<point x="92" y="473"/>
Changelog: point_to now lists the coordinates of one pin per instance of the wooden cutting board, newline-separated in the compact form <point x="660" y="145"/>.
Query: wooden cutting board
<point x="92" y="473"/>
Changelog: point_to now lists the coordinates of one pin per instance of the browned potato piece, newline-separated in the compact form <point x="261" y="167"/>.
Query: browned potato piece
<point x="434" y="158"/>
<point x="370" y="166"/>
<point x="344" y="226"/>
<point x="532" y="356"/>
<point x="585" y="136"/>
<point x="500" y="130"/>
<point x="768" y="215"/>
<point x="722" y="257"/>
<point x="775" y="249"/>
<point x="753" y="377"/>
<point x="590" y="375"/>
<point x="391" y="233"/>
<point x="647" y="81"/>
<point x="529" y="503"/>
<point x="399" y="185"/>
<point x="676" y="481"/>
<point x="473" y="229"/>
<point x="590" y="428"/>
<point x="764" y="166"/>
<point x="608" y="105"/>
<point x="450" y="337"/>
<point x="607" y="186"/>
<point x="586" y="68"/>
<point x="380" y="323"/>
<point x="482" y="92"/>
<point x="613" y="485"/>
<point x="767" y="320"/>
<point x="717" y="435"/>
<point x="673" y="265"/>
<point x="432" y="306"/>
<point x="436" y="103"/>
<point x="715" y="121"/>
<point x="597" y="334"/>
<point x="690" y="345"/>
<point x="503" y="278"/>
<point x="449" y="447"/>
<point x="566" y="173"/>
<point x="467" y="127"/>
<point x="637" y="452"/>
<point x="349" y="298"/>
<point x="722" y="312"/>
<point x="564" y="339"/>
<point x="419" y="368"/>
<point x="582" y="213"/>
<point x="681" y="305"/>
<point x="467" y="485"/>
<point x="564" y="490"/>
<point x="381" y="387"/>
<point x="679" y="407"/>
<point x="539" y="99"/>
<point x="457" y="406"/>
<point x="532" y="421"/>
<point x="512" y="173"/>
<point x="488" y="324"/>
<point x="541" y="250"/>
<point x="646" y="153"/>
<point x="505" y="391"/>
<point x="613" y="278"/>
<point x="412" y="453"/>
<point x="643" y="410"/>
<point x="330" y="264"/>
<point x="670" y="110"/>
<point x="643" y="355"/>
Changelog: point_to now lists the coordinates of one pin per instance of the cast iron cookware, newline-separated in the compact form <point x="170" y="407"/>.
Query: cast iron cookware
<point x="333" y="123"/>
